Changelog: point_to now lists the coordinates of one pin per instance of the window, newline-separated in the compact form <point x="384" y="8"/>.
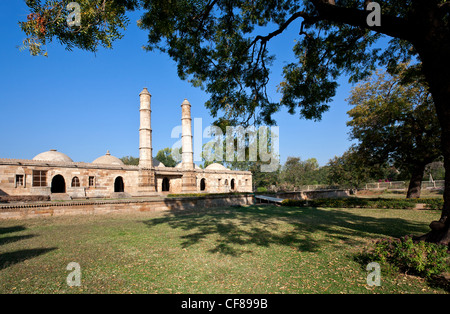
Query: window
<point x="75" y="182"/>
<point x="91" y="181"/>
<point x="19" y="180"/>
<point x="39" y="178"/>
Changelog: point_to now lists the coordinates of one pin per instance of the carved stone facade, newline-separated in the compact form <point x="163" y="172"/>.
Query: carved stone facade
<point x="55" y="174"/>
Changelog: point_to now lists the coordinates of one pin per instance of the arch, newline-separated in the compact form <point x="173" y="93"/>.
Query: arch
<point x="75" y="182"/>
<point x="165" y="184"/>
<point x="58" y="184"/>
<point x="118" y="185"/>
<point x="203" y="184"/>
<point x="232" y="185"/>
<point x="226" y="181"/>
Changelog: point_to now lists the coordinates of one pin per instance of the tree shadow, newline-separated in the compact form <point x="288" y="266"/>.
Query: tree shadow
<point x="10" y="258"/>
<point x="5" y="230"/>
<point x="306" y="229"/>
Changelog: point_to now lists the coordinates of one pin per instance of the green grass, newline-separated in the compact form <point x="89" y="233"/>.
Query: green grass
<point x="256" y="249"/>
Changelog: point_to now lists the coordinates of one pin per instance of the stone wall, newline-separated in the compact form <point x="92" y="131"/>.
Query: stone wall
<point x="103" y="177"/>
<point x="314" y="194"/>
<point x="157" y="204"/>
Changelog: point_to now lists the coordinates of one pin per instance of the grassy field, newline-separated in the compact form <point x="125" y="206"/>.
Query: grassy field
<point x="257" y="249"/>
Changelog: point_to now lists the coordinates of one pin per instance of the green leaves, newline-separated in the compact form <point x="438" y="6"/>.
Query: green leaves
<point x="101" y="24"/>
<point x="222" y="45"/>
<point x="394" y="119"/>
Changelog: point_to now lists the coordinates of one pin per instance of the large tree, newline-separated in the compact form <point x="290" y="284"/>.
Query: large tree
<point x="394" y="120"/>
<point x="222" y="46"/>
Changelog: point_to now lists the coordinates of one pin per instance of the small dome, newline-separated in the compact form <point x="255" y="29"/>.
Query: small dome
<point x="157" y="163"/>
<point x="53" y="155"/>
<point x="216" y="166"/>
<point x="108" y="159"/>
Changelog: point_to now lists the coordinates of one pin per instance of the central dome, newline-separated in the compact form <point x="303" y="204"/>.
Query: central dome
<point x="52" y="155"/>
<point x="108" y="159"/>
<point x="216" y="166"/>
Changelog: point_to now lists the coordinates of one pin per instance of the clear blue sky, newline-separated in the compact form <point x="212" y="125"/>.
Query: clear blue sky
<point x="83" y="104"/>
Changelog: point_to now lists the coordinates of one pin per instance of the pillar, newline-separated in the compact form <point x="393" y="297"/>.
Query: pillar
<point x="146" y="171"/>
<point x="189" y="183"/>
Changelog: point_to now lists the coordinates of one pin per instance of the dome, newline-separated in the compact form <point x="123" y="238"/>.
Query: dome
<point x="53" y="155"/>
<point x="157" y="163"/>
<point x="216" y="166"/>
<point x="108" y="159"/>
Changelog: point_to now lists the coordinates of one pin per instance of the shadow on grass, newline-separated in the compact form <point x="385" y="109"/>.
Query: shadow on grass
<point x="10" y="258"/>
<point x="306" y="229"/>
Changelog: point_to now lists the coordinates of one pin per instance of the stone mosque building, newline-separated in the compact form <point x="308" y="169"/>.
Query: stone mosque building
<point x="54" y="174"/>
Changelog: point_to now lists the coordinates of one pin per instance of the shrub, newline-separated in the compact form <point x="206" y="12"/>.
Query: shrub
<point x="351" y="202"/>
<point x="419" y="258"/>
<point x="434" y="203"/>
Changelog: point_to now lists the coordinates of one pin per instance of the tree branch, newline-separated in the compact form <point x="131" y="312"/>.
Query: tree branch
<point x="390" y="25"/>
<point x="282" y="27"/>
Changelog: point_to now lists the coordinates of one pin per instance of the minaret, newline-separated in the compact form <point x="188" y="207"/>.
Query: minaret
<point x="146" y="172"/>
<point x="186" y="136"/>
<point x="189" y="183"/>
<point x="145" y="131"/>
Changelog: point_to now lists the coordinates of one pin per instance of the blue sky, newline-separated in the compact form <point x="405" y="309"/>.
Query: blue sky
<point x="83" y="104"/>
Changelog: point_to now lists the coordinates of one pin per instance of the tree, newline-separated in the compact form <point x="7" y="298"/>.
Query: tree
<point x="297" y="172"/>
<point x="215" y="45"/>
<point x="165" y="156"/>
<point x="349" y="170"/>
<point x="130" y="160"/>
<point x="395" y="120"/>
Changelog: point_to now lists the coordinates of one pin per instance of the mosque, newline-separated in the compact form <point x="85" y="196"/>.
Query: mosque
<point x="56" y="175"/>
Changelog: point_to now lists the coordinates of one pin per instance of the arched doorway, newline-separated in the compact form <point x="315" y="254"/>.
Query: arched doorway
<point x="232" y="184"/>
<point x="118" y="185"/>
<point x="58" y="184"/>
<point x="202" y="184"/>
<point x="165" y="185"/>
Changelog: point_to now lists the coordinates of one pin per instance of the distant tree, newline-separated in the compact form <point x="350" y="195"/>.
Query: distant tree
<point x="394" y="120"/>
<point x="347" y="170"/>
<point x="165" y="156"/>
<point x="436" y="170"/>
<point x="130" y="160"/>
<point x="297" y="172"/>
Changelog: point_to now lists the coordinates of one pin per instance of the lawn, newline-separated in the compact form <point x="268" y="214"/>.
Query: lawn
<point x="256" y="249"/>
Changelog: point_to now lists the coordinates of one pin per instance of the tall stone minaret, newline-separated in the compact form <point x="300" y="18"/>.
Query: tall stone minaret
<point x="189" y="183"/>
<point x="146" y="171"/>
<point x="145" y="131"/>
<point x="186" y="136"/>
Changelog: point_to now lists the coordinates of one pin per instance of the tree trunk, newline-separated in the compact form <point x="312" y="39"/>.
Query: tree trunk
<point x="415" y="185"/>
<point x="440" y="232"/>
<point x="434" y="53"/>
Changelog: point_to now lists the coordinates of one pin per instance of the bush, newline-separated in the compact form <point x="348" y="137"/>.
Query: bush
<point x="351" y="202"/>
<point x="434" y="203"/>
<point x="419" y="258"/>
